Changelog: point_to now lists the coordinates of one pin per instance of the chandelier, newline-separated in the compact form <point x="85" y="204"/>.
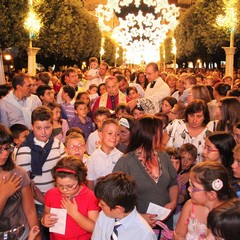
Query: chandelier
<point x="143" y="24"/>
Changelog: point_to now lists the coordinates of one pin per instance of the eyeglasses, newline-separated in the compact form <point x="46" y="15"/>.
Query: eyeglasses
<point x="67" y="187"/>
<point x="9" y="149"/>
<point x="209" y="149"/>
<point x="124" y="133"/>
<point x="195" y="189"/>
<point x="76" y="147"/>
<point x="236" y="136"/>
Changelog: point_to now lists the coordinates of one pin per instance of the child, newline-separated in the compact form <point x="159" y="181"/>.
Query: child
<point x="209" y="188"/>
<point x="84" y="97"/>
<point x="138" y="112"/>
<point x="103" y="159"/>
<point x="75" y="145"/>
<point x="71" y="194"/>
<point x="236" y="169"/>
<point x="19" y="133"/>
<point x="93" y="95"/>
<point x="126" y="126"/>
<point x="46" y="94"/>
<point x="93" y="141"/>
<point x="82" y="120"/>
<point x="119" y="218"/>
<point x="39" y="153"/>
<point x="68" y="94"/>
<point x="93" y="74"/>
<point x="60" y="126"/>
<point x="223" y="222"/>
<point x="121" y="110"/>
<point x="167" y="104"/>
<point x="132" y="93"/>
<point x="236" y="132"/>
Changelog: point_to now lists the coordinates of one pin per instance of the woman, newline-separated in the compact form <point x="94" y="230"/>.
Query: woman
<point x="220" y="91"/>
<point x="171" y="81"/>
<point x="152" y="170"/>
<point x="17" y="210"/>
<point x="199" y="91"/>
<point x="168" y="104"/>
<point x="193" y="129"/>
<point x="219" y="147"/>
<point x="229" y="114"/>
<point x="142" y="80"/>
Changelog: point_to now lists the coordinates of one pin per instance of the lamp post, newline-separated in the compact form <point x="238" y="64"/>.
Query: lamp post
<point x="229" y="20"/>
<point x="33" y="25"/>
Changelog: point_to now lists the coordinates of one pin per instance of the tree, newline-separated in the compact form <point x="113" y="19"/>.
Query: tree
<point x="69" y="32"/>
<point x="109" y="51"/>
<point x="197" y="35"/>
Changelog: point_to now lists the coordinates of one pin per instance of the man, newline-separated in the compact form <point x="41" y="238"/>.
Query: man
<point x="112" y="97"/>
<point x="71" y="79"/>
<point x="156" y="90"/>
<point x="18" y="105"/>
<point x="124" y="85"/>
<point x="103" y="70"/>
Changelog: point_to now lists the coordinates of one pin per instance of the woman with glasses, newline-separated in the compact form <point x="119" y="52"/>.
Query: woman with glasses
<point x="17" y="210"/>
<point x="71" y="194"/>
<point x="209" y="188"/>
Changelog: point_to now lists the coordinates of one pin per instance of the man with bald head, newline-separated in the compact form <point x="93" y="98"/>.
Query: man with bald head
<point x="156" y="90"/>
<point x="112" y="97"/>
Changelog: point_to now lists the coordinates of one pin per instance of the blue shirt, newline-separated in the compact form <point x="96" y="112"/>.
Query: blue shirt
<point x="133" y="227"/>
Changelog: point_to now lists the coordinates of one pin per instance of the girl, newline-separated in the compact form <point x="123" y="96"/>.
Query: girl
<point x="126" y="125"/>
<point x="218" y="147"/>
<point x="167" y="104"/>
<point x="60" y="126"/>
<point x="17" y="210"/>
<point x="71" y="193"/>
<point x="209" y="188"/>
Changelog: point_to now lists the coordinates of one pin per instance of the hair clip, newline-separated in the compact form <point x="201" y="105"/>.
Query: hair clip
<point x="65" y="170"/>
<point x="217" y="184"/>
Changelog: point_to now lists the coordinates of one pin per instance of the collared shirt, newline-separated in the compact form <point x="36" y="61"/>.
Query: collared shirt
<point x="100" y="164"/>
<point x="10" y="114"/>
<point x="69" y="109"/>
<point x="133" y="227"/>
<point x="86" y="127"/>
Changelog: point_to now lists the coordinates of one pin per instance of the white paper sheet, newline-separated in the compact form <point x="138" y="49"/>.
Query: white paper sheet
<point x="161" y="212"/>
<point x="60" y="226"/>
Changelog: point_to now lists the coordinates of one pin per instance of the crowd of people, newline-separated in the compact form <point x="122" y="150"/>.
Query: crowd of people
<point x="85" y="155"/>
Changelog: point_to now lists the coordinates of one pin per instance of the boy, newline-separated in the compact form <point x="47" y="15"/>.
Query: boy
<point x="75" y="145"/>
<point x="19" y="132"/>
<point x="93" y="74"/>
<point x="46" y="94"/>
<point x="68" y="94"/>
<point x="121" y="110"/>
<point x="39" y="153"/>
<point x="137" y="112"/>
<point x="81" y="119"/>
<point x="103" y="159"/>
<point x="93" y="141"/>
<point x="119" y="218"/>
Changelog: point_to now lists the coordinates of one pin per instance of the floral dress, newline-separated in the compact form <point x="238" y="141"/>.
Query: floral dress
<point x="196" y="229"/>
<point x="179" y="135"/>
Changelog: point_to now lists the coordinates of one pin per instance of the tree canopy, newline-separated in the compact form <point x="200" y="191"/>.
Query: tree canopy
<point x="198" y="36"/>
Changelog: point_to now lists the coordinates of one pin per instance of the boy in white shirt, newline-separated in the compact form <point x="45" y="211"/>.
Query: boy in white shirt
<point x="93" y="74"/>
<point x="103" y="159"/>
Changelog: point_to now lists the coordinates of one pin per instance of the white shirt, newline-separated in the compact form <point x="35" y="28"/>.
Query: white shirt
<point x="100" y="164"/>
